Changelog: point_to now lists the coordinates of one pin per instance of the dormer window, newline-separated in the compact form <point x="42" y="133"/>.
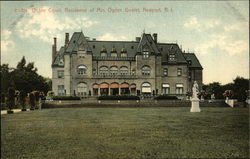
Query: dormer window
<point x="123" y="52"/>
<point x="189" y="62"/>
<point x="172" y="57"/>
<point x="103" y="52"/>
<point x="113" y="52"/>
<point x="145" y="54"/>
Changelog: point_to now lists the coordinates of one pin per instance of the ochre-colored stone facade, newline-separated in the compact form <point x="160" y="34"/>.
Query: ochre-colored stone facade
<point x="85" y="67"/>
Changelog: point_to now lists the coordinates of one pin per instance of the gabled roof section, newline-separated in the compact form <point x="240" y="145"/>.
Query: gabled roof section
<point x="147" y="40"/>
<point x="76" y="40"/>
<point x="171" y="48"/>
<point x="194" y="60"/>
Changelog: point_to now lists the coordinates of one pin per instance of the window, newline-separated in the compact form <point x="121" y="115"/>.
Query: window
<point x="165" y="89"/>
<point x="93" y="46"/>
<point x="123" y="54"/>
<point x="81" y="70"/>
<point x="146" y="70"/>
<point x="172" y="57"/>
<point x="113" y="70"/>
<point x="103" y="54"/>
<point x="60" y="90"/>
<point x="145" y="54"/>
<point x="82" y="89"/>
<point x="179" y="88"/>
<point x="94" y="71"/>
<point x="113" y="54"/>
<point x="132" y="47"/>
<point x="124" y="70"/>
<point x="179" y="71"/>
<point x="146" y="87"/>
<point x="165" y="72"/>
<point x="60" y="73"/>
<point x="104" y="70"/>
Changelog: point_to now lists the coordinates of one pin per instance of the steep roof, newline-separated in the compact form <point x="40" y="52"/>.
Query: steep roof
<point x="194" y="60"/>
<point x="147" y="41"/>
<point x="171" y="48"/>
<point x="130" y="46"/>
<point x="78" y="40"/>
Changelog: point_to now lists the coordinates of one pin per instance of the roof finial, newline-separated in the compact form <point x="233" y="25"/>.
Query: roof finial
<point x="144" y="31"/>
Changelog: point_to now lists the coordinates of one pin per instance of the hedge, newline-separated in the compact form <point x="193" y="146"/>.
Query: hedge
<point x="118" y="98"/>
<point x="66" y="98"/>
<point x="166" y="97"/>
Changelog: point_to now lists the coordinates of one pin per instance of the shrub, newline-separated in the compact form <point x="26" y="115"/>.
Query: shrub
<point x="11" y="98"/>
<point x="128" y="97"/>
<point x="66" y="98"/>
<point x="32" y="101"/>
<point x="166" y="97"/>
<point x="22" y="98"/>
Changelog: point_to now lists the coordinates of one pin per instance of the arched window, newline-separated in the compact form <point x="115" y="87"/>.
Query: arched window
<point x="146" y="87"/>
<point x="81" y="70"/>
<point x="124" y="70"/>
<point x="82" y="89"/>
<point x="146" y="70"/>
<point x="113" y="70"/>
<point x="104" y="70"/>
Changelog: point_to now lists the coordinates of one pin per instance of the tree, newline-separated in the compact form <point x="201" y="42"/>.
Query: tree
<point x="214" y="88"/>
<point x="11" y="100"/>
<point x="240" y="86"/>
<point x="32" y="101"/>
<point x="22" y="97"/>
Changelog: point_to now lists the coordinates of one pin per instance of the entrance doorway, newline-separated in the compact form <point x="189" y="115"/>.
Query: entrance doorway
<point x="104" y="89"/>
<point x="114" y="89"/>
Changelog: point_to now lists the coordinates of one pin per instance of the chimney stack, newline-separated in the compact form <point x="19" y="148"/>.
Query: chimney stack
<point x="155" y="37"/>
<point x="66" y="38"/>
<point x="54" y="50"/>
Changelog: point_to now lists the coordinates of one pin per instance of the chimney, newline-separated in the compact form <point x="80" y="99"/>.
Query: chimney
<point x="155" y="37"/>
<point x="54" y="50"/>
<point x="66" y="38"/>
<point x="137" y="39"/>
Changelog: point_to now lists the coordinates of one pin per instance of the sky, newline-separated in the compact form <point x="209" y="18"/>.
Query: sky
<point x="216" y="31"/>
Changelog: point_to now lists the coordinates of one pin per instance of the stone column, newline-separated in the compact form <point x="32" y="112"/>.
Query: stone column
<point x="99" y="92"/>
<point x="119" y="90"/>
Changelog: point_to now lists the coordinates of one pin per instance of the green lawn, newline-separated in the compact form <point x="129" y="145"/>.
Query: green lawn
<point x="75" y="133"/>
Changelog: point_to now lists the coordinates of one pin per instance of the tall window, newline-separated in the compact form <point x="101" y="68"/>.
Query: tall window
<point x="146" y="87"/>
<point x="146" y="70"/>
<point x="124" y="70"/>
<point x="179" y="88"/>
<point x="113" y="70"/>
<point x="104" y="70"/>
<point x="60" y="73"/>
<point x="60" y="90"/>
<point x="165" y="72"/>
<point x="179" y="71"/>
<point x="81" y="70"/>
<point x="172" y="57"/>
<point x="82" y="89"/>
<point x="145" y="54"/>
<point x="165" y="88"/>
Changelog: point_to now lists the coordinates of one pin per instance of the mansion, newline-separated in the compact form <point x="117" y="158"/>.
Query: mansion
<point x="88" y="67"/>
